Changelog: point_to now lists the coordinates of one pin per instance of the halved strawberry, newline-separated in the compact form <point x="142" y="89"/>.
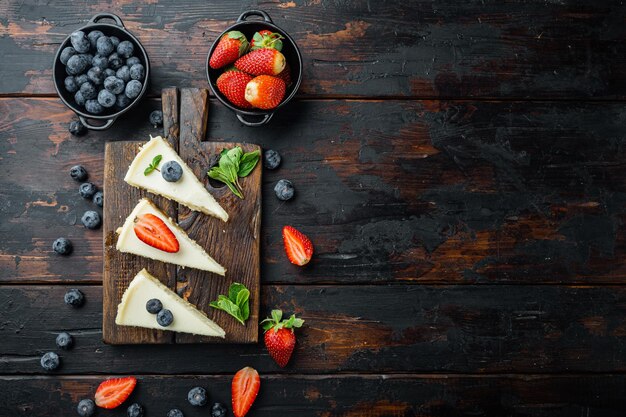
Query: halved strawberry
<point x="264" y="61"/>
<point x="298" y="246"/>
<point x="245" y="388"/>
<point x="266" y="39"/>
<point x="154" y="232"/>
<point x="231" y="46"/>
<point x="113" y="392"/>
<point x="233" y="85"/>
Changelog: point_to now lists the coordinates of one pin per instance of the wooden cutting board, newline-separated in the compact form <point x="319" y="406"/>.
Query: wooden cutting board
<point x="234" y="244"/>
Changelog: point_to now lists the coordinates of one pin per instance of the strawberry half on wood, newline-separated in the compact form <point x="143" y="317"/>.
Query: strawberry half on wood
<point x="265" y="92"/>
<point x="244" y="390"/>
<point x="266" y="39"/>
<point x="113" y="392"/>
<point x="280" y="340"/>
<point x="231" y="46"/>
<point x="154" y="232"/>
<point x="233" y="85"/>
<point x="264" y="61"/>
<point x="298" y="246"/>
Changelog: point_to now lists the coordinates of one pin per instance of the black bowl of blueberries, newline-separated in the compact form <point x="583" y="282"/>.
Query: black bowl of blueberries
<point x="101" y="71"/>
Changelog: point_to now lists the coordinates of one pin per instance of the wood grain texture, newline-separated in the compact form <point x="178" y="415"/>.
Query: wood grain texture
<point x="393" y="48"/>
<point x="350" y="328"/>
<point x="390" y="191"/>
<point x="342" y="395"/>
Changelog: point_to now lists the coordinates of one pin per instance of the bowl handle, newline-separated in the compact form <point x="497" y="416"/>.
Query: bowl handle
<point x="89" y="126"/>
<point x="261" y="13"/>
<point x="100" y="16"/>
<point x="261" y="122"/>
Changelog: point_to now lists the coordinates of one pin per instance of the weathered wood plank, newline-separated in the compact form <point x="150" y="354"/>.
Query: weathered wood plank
<point x="342" y="395"/>
<point x="372" y="329"/>
<point x="392" y="48"/>
<point x="426" y="191"/>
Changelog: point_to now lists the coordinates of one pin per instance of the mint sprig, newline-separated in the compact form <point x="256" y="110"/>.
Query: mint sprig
<point x="154" y="165"/>
<point x="234" y="164"/>
<point x="237" y="304"/>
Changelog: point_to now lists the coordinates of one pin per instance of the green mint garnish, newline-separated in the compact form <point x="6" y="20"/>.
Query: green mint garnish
<point x="153" y="165"/>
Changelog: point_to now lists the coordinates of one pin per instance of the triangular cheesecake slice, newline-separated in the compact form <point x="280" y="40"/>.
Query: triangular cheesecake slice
<point x="189" y="253"/>
<point x="188" y="190"/>
<point x="187" y="319"/>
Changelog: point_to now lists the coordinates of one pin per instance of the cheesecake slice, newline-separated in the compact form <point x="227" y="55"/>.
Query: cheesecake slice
<point x="189" y="253"/>
<point x="187" y="318"/>
<point x="188" y="190"/>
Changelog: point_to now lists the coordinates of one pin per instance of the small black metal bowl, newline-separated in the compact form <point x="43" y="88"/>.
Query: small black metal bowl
<point x="58" y="71"/>
<point x="292" y="55"/>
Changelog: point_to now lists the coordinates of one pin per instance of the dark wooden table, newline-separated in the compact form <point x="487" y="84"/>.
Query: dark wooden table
<point x="460" y="167"/>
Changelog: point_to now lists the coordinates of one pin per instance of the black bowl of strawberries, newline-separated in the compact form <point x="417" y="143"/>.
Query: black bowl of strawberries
<point x="254" y="68"/>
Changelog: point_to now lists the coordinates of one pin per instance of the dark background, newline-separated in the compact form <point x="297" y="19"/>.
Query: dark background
<point x="459" y="167"/>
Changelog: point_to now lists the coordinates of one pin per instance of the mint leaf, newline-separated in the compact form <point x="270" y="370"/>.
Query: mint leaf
<point x="153" y="165"/>
<point x="235" y="288"/>
<point x="248" y="162"/>
<point x="236" y="304"/>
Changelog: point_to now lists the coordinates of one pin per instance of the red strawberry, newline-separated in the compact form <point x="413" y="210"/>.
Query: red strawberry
<point x="265" y="91"/>
<point x="279" y="336"/>
<point x="233" y="85"/>
<point x="113" y="392"/>
<point x="152" y="231"/>
<point x="246" y="384"/>
<point x="266" y="39"/>
<point x="264" y="61"/>
<point x="231" y="46"/>
<point x="285" y="75"/>
<point x="298" y="247"/>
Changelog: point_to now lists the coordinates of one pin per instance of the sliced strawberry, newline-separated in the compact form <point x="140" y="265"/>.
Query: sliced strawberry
<point x="245" y="388"/>
<point x="152" y="231"/>
<point x="298" y="247"/>
<point x="113" y="392"/>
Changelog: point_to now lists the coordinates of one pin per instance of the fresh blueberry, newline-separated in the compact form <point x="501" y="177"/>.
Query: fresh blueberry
<point x="98" y="199"/>
<point x="91" y="220"/>
<point x="122" y="101"/>
<point x="197" y="396"/>
<point x="62" y="246"/>
<point x="171" y="171"/>
<point x="96" y="75"/>
<point x="123" y="74"/>
<point x="66" y="53"/>
<point x="93" y="107"/>
<point x="86" y="408"/>
<point x="106" y="98"/>
<point x="156" y="118"/>
<point x="133" y="88"/>
<point x="125" y="49"/>
<point x="218" y="410"/>
<point x="154" y="305"/>
<point x="50" y="361"/>
<point x="132" y="61"/>
<point x="93" y="38"/>
<point x="115" y="62"/>
<point x="89" y="58"/>
<point x="81" y="79"/>
<point x="109" y="72"/>
<point x="134" y="410"/>
<point x="271" y="159"/>
<point x="65" y="341"/>
<point x="88" y="90"/>
<point x="175" y="412"/>
<point x="70" y="84"/>
<point x="101" y="62"/>
<point x="87" y="190"/>
<point x="115" y="40"/>
<point x="80" y="42"/>
<point x="76" y="128"/>
<point x="79" y="99"/>
<point x="114" y="85"/>
<point x="78" y="173"/>
<point x="77" y="64"/>
<point x="284" y="190"/>
<point x="137" y="72"/>
<point x="104" y="46"/>
<point x="74" y="297"/>
<point x="164" y="317"/>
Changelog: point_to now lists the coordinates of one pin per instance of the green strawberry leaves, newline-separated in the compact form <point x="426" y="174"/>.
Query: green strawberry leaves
<point x="275" y="322"/>
<point x="234" y="164"/>
<point x="236" y="304"/>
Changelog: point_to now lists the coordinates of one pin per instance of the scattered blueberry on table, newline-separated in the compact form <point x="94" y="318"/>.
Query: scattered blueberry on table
<point x="87" y="190"/>
<point x="98" y="199"/>
<point x="86" y="408"/>
<point x="91" y="220"/>
<point x="197" y="396"/>
<point x="74" y="298"/>
<point x="156" y="118"/>
<point x="50" y="361"/>
<point x="64" y="341"/>
<point x="271" y="159"/>
<point x="78" y="173"/>
<point x="62" y="246"/>
<point x="134" y="410"/>
<point x="175" y="412"/>
<point x="218" y="410"/>
<point x="77" y="128"/>
<point x="284" y="190"/>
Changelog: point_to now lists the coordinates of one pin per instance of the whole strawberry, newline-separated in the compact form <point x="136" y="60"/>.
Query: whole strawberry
<point x="266" y="39"/>
<point x="265" y="91"/>
<point x="231" y="46"/>
<point x="285" y="75"/>
<point x="264" y="61"/>
<point x="280" y="339"/>
<point x="233" y="85"/>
